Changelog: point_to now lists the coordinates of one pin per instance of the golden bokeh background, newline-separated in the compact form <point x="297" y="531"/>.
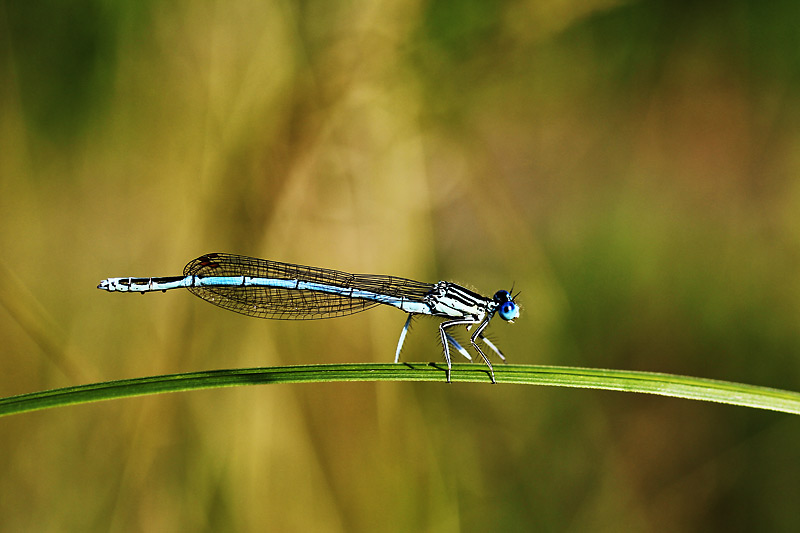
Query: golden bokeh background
<point x="631" y="167"/>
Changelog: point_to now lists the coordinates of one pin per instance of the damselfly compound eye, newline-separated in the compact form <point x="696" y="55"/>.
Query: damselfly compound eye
<point x="508" y="311"/>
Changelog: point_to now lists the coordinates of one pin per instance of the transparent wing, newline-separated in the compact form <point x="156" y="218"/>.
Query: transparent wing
<point x="294" y="304"/>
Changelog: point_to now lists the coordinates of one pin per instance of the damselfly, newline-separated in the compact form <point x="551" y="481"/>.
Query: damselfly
<point x="283" y="291"/>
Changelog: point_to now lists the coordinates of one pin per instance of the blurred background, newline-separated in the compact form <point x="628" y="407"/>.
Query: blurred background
<point x="631" y="167"/>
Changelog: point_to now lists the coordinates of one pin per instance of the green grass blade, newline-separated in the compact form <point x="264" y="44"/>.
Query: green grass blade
<point x="621" y="380"/>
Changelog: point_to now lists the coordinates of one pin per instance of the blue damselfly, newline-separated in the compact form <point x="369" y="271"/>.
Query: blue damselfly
<point x="283" y="291"/>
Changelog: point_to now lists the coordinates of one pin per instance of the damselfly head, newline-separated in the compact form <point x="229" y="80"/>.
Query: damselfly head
<point x="507" y="308"/>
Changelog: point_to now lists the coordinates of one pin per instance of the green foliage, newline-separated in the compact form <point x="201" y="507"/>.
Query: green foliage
<point x="646" y="382"/>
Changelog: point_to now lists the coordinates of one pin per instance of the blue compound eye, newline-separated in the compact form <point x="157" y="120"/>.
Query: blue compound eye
<point x="508" y="311"/>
